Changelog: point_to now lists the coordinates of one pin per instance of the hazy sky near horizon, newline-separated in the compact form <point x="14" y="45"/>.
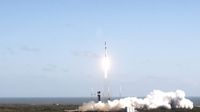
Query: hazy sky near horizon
<point x="54" y="48"/>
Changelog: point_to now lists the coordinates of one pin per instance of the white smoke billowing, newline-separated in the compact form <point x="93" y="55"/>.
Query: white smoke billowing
<point x="154" y="100"/>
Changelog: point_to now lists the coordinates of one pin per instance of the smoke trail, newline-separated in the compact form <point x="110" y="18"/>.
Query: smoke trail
<point x="154" y="100"/>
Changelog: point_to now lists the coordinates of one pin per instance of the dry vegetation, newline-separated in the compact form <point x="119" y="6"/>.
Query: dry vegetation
<point x="62" y="108"/>
<point x="36" y="108"/>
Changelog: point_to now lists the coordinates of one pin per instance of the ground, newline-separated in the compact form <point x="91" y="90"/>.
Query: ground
<point x="36" y="108"/>
<point x="63" y="108"/>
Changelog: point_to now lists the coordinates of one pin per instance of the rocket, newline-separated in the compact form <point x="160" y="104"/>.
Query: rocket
<point x="106" y="61"/>
<point x="105" y="49"/>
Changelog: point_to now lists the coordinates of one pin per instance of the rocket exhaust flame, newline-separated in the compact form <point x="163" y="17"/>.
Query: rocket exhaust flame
<point x="106" y="66"/>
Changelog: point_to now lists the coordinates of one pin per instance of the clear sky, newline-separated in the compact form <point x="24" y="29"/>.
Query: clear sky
<point x="54" y="48"/>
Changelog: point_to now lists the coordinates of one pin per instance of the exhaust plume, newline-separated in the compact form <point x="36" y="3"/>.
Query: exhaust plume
<point x="153" y="100"/>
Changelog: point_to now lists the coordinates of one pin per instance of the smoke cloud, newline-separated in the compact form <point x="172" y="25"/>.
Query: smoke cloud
<point x="153" y="100"/>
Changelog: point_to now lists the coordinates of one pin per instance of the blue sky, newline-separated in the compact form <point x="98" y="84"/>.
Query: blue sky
<point x="54" y="48"/>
